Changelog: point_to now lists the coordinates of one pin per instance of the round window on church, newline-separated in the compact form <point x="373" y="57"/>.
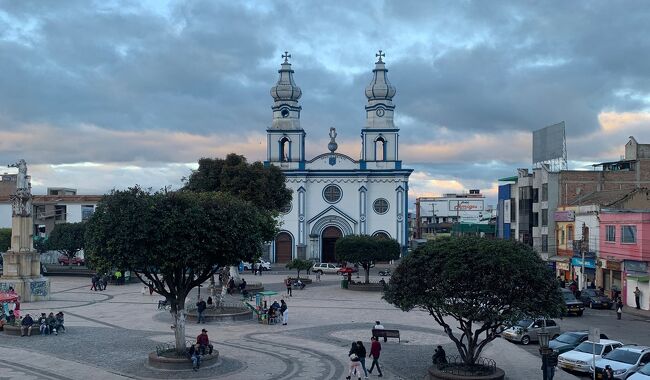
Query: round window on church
<point x="332" y="193"/>
<point x="286" y="209"/>
<point x="380" y="206"/>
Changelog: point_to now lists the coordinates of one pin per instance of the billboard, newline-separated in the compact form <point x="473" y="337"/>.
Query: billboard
<point x="565" y="216"/>
<point x="548" y="143"/>
<point x="506" y="211"/>
<point x="474" y="205"/>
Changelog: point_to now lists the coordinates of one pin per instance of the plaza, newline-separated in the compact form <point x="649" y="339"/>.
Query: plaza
<point x="110" y="333"/>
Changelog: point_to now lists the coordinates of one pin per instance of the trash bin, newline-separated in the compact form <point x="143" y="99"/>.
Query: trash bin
<point x="344" y="284"/>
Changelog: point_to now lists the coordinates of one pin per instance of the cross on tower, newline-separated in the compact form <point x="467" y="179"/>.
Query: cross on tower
<point x="380" y="55"/>
<point x="286" y="56"/>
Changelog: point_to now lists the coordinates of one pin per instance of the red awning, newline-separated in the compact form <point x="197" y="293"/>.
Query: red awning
<point x="8" y="297"/>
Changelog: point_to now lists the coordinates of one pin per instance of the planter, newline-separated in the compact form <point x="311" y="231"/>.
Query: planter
<point x="172" y="363"/>
<point x="435" y="374"/>
<point x="226" y="314"/>
<point x="15" y="330"/>
<point x="376" y="287"/>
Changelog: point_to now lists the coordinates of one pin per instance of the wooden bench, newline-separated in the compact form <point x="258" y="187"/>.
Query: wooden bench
<point x="385" y="333"/>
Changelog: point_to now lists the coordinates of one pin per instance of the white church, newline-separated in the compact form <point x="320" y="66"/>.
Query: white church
<point x="333" y="194"/>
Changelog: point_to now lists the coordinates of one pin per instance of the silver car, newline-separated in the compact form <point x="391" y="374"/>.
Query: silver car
<point x="526" y="330"/>
<point x="326" y="268"/>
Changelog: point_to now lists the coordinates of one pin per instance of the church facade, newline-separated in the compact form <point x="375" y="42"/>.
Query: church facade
<point x="333" y="194"/>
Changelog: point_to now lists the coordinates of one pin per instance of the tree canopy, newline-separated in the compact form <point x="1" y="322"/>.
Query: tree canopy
<point x="67" y="238"/>
<point x="175" y="239"/>
<point x="264" y="186"/>
<point x="482" y="284"/>
<point x="299" y="265"/>
<point x="365" y="250"/>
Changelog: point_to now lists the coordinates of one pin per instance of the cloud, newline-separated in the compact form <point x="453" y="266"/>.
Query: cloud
<point x="157" y="84"/>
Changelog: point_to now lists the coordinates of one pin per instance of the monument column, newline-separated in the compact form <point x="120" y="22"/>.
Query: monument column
<point x="22" y="264"/>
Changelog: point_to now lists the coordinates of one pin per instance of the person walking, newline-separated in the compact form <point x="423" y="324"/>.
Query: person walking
<point x="200" y="308"/>
<point x="287" y="283"/>
<point x="375" y="349"/>
<point x="608" y="373"/>
<point x="355" y="363"/>
<point x="94" y="279"/>
<point x="318" y="276"/>
<point x="637" y="297"/>
<point x="361" y="352"/>
<point x="619" y="308"/>
<point x="284" y="312"/>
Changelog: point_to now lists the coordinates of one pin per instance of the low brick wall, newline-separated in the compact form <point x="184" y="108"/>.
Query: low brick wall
<point x="222" y="315"/>
<point x="372" y="287"/>
<point x="435" y="374"/>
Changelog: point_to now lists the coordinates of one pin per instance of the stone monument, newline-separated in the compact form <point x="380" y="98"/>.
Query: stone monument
<point x="22" y="264"/>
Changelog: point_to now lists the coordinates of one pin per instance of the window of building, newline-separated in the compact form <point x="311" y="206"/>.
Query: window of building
<point x="60" y="212"/>
<point x="562" y="232"/>
<point x="286" y="208"/>
<point x="610" y="233"/>
<point x="86" y="212"/>
<point x="332" y="193"/>
<point x="628" y="234"/>
<point x="285" y="149"/>
<point x="380" y="206"/>
<point x="535" y="219"/>
<point x="544" y="192"/>
<point x="513" y="211"/>
<point x="569" y="234"/>
<point x="544" y="243"/>
<point x="380" y="149"/>
<point x="544" y="217"/>
<point x="535" y="195"/>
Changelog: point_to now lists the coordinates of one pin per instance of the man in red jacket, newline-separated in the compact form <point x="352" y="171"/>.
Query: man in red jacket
<point x="204" y="342"/>
<point x="375" y="348"/>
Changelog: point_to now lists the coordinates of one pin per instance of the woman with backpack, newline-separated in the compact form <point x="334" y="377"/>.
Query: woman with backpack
<point x="355" y="363"/>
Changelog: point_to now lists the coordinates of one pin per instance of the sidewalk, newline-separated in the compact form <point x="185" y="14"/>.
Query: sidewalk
<point x="637" y="313"/>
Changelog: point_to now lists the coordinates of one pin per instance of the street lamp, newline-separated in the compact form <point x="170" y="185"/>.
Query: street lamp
<point x="543" y="337"/>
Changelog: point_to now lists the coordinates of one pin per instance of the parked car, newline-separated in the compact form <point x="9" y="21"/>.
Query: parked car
<point x="595" y="299"/>
<point x="526" y="330"/>
<point x="580" y="358"/>
<point x="624" y="361"/>
<point x="570" y="340"/>
<point x="326" y="268"/>
<point x="265" y="265"/>
<point x="642" y="374"/>
<point x="65" y="260"/>
<point x="573" y="306"/>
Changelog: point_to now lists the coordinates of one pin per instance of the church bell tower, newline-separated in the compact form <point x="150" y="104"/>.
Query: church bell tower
<point x="380" y="136"/>
<point x="285" y="137"/>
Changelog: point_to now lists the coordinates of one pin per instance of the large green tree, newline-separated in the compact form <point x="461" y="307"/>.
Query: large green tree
<point x="264" y="186"/>
<point x="175" y="239"/>
<point x="480" y="284"/>
<point x="365" y="250"/>
<point x="67" y="238"/>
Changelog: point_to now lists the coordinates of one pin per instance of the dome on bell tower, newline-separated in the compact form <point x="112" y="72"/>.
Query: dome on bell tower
<point x="286" y="89"/>
<point x="380" y="88"/>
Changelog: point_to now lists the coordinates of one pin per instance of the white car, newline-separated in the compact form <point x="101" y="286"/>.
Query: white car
<point x="326" y="268"/>
<point x="641" y="374"/>
<point x="624" y="361"/>
<point x="265" y="265"/>
<point x="580" y="358"/>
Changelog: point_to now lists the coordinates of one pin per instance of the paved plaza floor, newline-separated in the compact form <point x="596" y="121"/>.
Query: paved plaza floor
<point x="110" y="333"/>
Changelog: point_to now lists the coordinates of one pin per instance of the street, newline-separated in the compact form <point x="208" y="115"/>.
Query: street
<point x="629" y="330"/>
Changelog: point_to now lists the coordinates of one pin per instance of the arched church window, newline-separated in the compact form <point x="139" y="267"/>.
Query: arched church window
<point x="380" y="149"/>
<point x="285" y="144"/>
<point x="381" y="235"/>
<point x="380" y="206"/>
<point x="332" y="193"/>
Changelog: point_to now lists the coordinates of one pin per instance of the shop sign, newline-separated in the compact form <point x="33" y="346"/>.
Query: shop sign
<point x="636" y="266"/>
<point x="565" y="216"/>
<point x="562" y="266"/>
<point x="614" y="265"/>
<point x="589" y="263"/>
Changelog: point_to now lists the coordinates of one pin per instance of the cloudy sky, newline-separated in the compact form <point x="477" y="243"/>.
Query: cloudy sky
<point x="96" y="95"/>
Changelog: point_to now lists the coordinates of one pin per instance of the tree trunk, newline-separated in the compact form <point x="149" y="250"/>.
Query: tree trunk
<point x="179" y="330"/>
<point x="367" y="275"/>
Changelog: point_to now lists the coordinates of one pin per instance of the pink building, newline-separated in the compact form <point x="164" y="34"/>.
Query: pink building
<point x="625" y="253"/>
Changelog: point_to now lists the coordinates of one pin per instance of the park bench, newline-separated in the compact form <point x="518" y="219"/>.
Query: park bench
<point x="385" y="333"/>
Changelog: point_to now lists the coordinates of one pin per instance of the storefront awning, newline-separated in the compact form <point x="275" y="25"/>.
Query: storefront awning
<point x="564" y="259"/>
<point x="639" y="277"/>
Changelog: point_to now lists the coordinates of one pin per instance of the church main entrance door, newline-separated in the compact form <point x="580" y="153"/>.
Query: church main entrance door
<point x="330" y="236"/>
<point x="283" y="243"/>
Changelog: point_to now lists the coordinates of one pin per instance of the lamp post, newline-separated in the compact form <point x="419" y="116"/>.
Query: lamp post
<point x="544" y="351"/>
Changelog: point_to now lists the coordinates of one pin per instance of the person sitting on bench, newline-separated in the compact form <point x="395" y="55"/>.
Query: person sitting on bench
<point x="26" y="325"/>
<point x="204" y="342"/>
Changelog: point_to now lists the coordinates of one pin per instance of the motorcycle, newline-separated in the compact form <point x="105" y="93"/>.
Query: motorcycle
<point x="385" y="272"/>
